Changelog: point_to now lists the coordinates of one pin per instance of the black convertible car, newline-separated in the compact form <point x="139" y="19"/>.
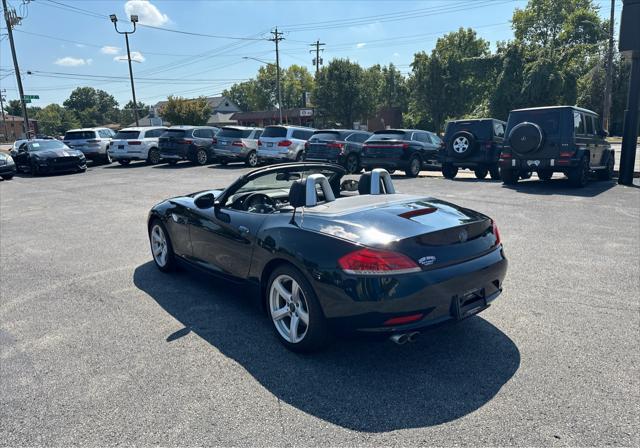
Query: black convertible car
<point x="329" y="254"/>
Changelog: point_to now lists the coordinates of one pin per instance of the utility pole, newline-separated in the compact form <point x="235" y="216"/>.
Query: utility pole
<point x="4" y="121"/>
<point x="134" y="20"/>
<point x="277" y="37"/>
<point x="606" y="110"/>
<point x="317" y="61"/>
<point x="12" y="19"/>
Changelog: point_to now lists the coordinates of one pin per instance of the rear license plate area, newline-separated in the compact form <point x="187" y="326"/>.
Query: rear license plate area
<point x="269" y="145"/>
<point x="120" y="146"/>
<point x="469" y="303"/>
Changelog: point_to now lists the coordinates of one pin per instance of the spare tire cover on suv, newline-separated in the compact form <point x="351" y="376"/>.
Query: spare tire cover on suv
<point x="526" y="137"/>
<point x="462" y="144"/>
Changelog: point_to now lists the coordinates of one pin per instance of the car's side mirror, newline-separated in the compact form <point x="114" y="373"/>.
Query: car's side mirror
<point x="349" y="185"/>
<point x="205" y="201"/>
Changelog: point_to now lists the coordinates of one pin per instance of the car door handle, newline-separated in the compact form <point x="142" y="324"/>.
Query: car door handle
<point x="243" y="230"/>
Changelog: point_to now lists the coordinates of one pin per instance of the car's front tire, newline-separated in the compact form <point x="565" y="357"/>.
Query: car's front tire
<point x="481" y="172"/>
<point x="252" y="159"/>
<point x="579" y="175"/>
<point x="295" y="312"/>
<point x="153" y="158"/>
<point x="161" y="247"/>
<point x="509" y="177"/>
<point x="201" y="157"/>
<point x="449" y="171"/>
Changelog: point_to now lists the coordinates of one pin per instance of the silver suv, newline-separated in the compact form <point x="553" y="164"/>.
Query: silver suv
<point x="237" y="143"/>
<point x="283" y="143"/>
<point x="94" y="143"/>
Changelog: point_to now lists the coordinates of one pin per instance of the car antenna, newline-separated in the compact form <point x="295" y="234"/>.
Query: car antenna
<point x="293" y="217"/>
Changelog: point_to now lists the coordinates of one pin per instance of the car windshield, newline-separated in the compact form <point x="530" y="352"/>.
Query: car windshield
<point x="80" y="135"/>
<point x="127" y="135"/>
<point x="274" y="131"/>
<point x="389" y="135"/>
<point x="45" y="145"/>
<point x="283" y="178"/>
<point x="234" y="133"/>
<point x="548" y="120"/>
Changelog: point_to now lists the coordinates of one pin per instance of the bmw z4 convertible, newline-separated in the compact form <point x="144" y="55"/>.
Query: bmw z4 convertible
<point x="329" y="255"/>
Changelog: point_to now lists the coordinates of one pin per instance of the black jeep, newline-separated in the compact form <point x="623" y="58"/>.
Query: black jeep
<point x="558" y="139"/>
<point x="472" y="144"/>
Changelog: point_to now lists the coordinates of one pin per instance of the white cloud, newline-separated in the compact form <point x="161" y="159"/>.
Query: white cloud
<point x="108" y="49"/>
<point x="396" y="54"/>
<point x="147" y="12"/>
<point x="135" y="56"/>
<point x="68" y="61"/>
<point x="361" y="44"/>
<point x="80" y="45"/>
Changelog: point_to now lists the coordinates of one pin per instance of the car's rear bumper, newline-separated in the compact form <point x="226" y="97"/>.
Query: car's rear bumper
<point x="365" y="303"/>
<point x="533" y="164"/>
<point x="128" y="154"/>
<point x="232" y="153"/>
<point x="175" y="153"/>
<point x="275" y="155"/>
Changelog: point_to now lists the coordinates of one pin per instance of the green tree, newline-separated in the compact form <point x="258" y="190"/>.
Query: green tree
<point x="339" y="93"/>
<point x="295" y="81"/>
<point x="179" y="110"/>
<point x="507" y="93"/>
<point x="13" y="107"/>
<point x="92" y="107"/>
<point x="244" y="94"/>
<point x="126" y="116"/>
<point x="56" y="120"/>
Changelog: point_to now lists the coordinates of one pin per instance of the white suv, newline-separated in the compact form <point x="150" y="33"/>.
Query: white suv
<point x="92" y="142"/>
<point x="136" y="144"/>
<point x="283" y="143"/>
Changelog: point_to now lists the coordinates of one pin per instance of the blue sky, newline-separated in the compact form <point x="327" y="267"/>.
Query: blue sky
<point x="81" y="47"/>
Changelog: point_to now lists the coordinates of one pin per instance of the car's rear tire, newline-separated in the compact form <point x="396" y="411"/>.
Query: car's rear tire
<point x="153" y="158"/>
<point x="545" y="175"/>
<point x="494" y="172"/>
<point x="449" y="171"/>
<point x="509" y="177"/>
<point x="294" y="310"/>
<point x="7" y="176"/>
<point x="106" y="159"/>
<point x="252" y="159"/>
<point x="161" y="248"/>
<point x="414" y="168"/>
<point x="201" y="157"/>
<point x="300" y="156"/>
<point x="124" y="162"/>
<point x="607" y="173"/>
<point x="352" y="164"/>
<point x="579" y="175"/>
<point x="481" y="172"/>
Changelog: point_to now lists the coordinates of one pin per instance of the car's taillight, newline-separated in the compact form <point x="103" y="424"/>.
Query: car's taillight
<point x="567" y="153"/>
<point x="285" y="143"/>
<point x="403" y="319"/>
<point x="259" y="142"/>
<point x="335" y="145"/>
<point x="237" y="143"/>
<point x="496" y="233"/>
<point x="134" y="142"/>
<point x="306" y="145"/>
<point x="377" y="262"/>
<point x="505" y="155"/>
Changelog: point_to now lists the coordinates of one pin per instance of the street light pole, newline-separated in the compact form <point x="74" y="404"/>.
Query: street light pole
<point x="134" y="20"/>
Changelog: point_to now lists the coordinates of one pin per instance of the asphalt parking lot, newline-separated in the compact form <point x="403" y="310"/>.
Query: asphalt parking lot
<point x="97" y="347"/>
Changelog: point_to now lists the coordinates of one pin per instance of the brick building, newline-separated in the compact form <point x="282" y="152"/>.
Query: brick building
<point x="11" y="128"/>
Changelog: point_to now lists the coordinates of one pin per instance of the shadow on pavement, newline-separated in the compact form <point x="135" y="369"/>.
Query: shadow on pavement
<point x="134" y="164"/>
<point x="358" y="384"/>
<point x="561" y="187"/>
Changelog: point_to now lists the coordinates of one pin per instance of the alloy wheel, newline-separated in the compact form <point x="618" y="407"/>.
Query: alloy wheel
<point x="201" y="157"/>
<point x="460" y="145"/>
<point x="159" y="245"/>
<point x="289" y="309"/>
<point x="252" y="159"/>
<point x="154" y="156"/>
<point x="352" y="164"/>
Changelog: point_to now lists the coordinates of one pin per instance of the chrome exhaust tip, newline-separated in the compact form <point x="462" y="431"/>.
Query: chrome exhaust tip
<point x="400" y="339"/>
<point x="411" y="337"/>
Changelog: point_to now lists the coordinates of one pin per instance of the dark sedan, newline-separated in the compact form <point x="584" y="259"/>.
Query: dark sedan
<point x="7" y="166"/>
<point x="341" y="146"/>
<point x="48" y="157"/>
<point x="324" y="259"/>
<point x="408" y="150"/>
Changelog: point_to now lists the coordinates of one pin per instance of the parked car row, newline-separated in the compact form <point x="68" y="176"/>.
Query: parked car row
<point x="543" y="140"/>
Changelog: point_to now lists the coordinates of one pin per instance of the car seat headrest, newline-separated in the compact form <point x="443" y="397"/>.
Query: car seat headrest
<point x="303" y="193"/>
<point x="378" y="181"/>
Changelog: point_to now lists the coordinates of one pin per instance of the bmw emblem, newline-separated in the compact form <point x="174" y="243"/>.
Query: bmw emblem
<point x="463" y="235"/>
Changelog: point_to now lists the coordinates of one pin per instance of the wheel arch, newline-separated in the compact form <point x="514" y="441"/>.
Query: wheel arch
<point x="267" y="270"/>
